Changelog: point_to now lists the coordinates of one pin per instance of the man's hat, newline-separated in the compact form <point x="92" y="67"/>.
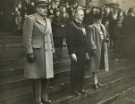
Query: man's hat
<point x="42" y="3"/>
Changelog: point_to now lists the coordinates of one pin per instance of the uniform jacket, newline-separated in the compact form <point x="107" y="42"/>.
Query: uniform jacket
<point x="34" y="33"/>
<point x="38" y="39"/>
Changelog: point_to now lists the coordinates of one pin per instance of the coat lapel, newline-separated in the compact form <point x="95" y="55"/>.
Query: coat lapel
<point x="40" y="24"/>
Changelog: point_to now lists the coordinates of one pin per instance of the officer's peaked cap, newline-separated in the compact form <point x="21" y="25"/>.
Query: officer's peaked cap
<point x="42" y="2"/>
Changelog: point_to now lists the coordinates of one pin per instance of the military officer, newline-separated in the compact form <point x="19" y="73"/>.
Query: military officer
<point x="38" y="42"/>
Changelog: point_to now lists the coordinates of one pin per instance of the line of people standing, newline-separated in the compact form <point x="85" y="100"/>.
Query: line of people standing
<point x="85" y="45"/>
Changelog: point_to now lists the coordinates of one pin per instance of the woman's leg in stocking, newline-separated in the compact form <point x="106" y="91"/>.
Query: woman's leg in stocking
<point x="45" y="85"/>
<point x="95" y="80"/>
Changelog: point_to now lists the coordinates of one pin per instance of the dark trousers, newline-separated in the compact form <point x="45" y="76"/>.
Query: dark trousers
<point x="58" y="42"/>
<point x="77" y="72"/>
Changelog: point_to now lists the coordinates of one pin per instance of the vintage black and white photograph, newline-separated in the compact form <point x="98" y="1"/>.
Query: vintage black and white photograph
<point x="67" y="51"/>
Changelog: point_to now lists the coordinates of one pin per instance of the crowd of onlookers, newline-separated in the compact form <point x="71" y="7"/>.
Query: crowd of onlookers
<point x="117" y="21"/>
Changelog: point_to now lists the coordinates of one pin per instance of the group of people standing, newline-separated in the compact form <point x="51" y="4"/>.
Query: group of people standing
<point x="87" y="46"/>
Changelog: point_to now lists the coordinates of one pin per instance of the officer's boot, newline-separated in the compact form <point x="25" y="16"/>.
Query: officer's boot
<point x="37" y="91"/>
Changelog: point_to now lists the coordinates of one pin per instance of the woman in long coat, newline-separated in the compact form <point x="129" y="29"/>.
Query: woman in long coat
<point x="97" y="45"/>
<point x="38" y="41"/>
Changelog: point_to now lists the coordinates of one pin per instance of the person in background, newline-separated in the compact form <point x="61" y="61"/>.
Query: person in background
<point x="59" y="28"/>
<point x="128" y="32"/>
<point x="117" y="33"/>
<point x="76" y="43"/>
<point x="106" y="17"/>
<point x="68" y="8"/>
<point x="129" y="23"/>
<point x="96" y="45"/>
<point x="113" y="22"/>
<point x="88" y="17"/>
<point x="51" y="9"/>
<point x="38" y="42"/>
<point x="18" y="19"/>
<point x="31" y="7"/>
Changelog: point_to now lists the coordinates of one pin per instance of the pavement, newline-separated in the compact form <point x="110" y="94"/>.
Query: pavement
<point x="118" y="87"/>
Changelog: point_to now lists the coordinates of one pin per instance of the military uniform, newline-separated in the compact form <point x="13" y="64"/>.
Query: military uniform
<point x="39" y="41"/>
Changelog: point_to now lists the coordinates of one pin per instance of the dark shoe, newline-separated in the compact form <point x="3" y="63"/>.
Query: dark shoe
<point x="47" y="102"/>
<point x="77" y="93"/>
<point x="100" y="84"/>
<point x="95" y="86"/>
<point x="83" y="91"/>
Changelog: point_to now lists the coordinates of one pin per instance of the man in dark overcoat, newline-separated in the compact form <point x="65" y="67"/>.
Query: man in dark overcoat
<point x="76" y="42"/>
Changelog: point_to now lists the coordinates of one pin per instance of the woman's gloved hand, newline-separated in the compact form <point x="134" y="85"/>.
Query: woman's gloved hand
<point x="74" y="57"/>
